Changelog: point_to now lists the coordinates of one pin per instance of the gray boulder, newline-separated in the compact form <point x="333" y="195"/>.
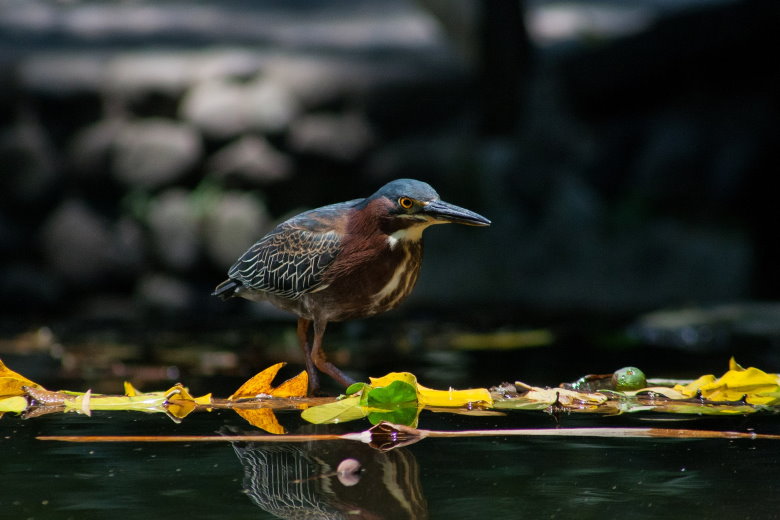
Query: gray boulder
<point x="152" y="153"/>
<point x="252" y="160"/>
<point x="84" y="248"/>
<point x="232" y="224"/>
<point x="27" y="162"/>
<point x="223" y="109"/>
<point x="343" y="137"/>
<point x="174" y="222"/>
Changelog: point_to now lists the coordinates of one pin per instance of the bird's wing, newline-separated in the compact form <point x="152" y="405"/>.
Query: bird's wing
<point x="290" y="260"/>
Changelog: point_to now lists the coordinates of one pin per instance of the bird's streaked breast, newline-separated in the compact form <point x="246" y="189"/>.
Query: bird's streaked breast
<point x="402" y="280"/>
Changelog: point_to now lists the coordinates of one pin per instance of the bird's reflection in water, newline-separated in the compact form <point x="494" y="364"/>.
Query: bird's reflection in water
<point x="332" y="480"/>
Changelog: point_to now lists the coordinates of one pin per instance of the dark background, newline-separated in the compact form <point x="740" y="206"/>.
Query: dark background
<point x="625" y="150"/>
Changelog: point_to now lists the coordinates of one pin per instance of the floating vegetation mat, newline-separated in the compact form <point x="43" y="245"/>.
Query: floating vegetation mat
<point x="392" y="404"/>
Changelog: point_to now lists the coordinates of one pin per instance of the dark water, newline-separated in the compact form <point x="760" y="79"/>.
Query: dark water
<point x="436" y="478"/>
<point x="496" y="477"/>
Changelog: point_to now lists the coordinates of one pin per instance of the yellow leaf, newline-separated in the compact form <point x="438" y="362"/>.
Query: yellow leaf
<point x="405" y="377"/>
<point x="564" y="397"/>
<point x="693" y="387"/>
<point x="263" y="418"/>
<point x="753" y="384"/>
<point x="261" y="384"/>
<point x="429" y="397"/>
<point x="296" y="386"/>
<point x="16" y="403"/>
<point x="454" y="398"/>
<point x="130" y="390"/>
<point x="11" y="383"/>
<point x="180" y="403"/>
<point x="733" y="365"/>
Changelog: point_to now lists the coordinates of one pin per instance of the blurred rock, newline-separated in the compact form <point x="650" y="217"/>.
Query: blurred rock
<point x="65" y="89"/>
<point x="216" y="108"/>
<point x="174" y="223"/>
<point x="340" y="137"/>
<point x="223" y="109"/>
<point x="163" y="292"/>
<point x="62" y="73"/>
<point x="90" y="149"/>
<point x="269" y="108"/>
<point x="250" y="160"/>
<point x="152" y="153"/>
<point x="233" y="224"/>
<point x="234" y="63"/>
<point x="316" y="83"/>
<point x="83" y="248"/>
<point x="151" y="83"/>
<point x="132" y="77"/>
<point x="27" y="163"/>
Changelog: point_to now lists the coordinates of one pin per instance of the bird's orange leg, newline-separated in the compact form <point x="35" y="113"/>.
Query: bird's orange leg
<point x="303" y="341"/>
<point x="318" y="355"/>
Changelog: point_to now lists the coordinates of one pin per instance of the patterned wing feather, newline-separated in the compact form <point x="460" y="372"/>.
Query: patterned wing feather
<point x="291" y="259"/>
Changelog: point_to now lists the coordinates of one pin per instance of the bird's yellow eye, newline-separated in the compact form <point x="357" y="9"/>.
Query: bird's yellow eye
<point x="405" y="202"/>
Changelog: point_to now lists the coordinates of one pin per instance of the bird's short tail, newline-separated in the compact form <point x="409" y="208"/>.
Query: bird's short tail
<point x="226" y="289"/>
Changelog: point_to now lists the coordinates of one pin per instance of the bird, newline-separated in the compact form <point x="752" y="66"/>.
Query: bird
<point x="344" y="261"/>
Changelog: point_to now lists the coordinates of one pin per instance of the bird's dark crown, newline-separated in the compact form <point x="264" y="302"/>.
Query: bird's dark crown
<point x="417" y="190"/>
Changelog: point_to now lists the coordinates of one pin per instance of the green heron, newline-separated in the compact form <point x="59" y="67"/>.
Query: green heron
<point x="344" y="261"/>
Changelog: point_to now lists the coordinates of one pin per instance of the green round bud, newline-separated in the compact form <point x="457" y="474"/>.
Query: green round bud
<point x="628" y="379"/>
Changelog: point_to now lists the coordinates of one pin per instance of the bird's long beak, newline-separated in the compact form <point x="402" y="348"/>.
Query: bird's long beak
<point x="443" y="212"/>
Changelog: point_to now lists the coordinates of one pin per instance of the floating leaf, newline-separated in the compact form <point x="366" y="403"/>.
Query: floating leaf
<point x="668" y="393"/>
<point x="407" y="415"/>
<point x="15" y="403"/>
<point x="130" y="390"/>
<point x="355" y="388"/>
<point x="263" y="418"/>
<point x="454" y="398"/>
<point x="752" y="385"/>
<point x="297" y="386"/>
<point x="396" y="397"/>
<point x="441" y="398"/>
<point x="12" y="383"/>
<point x="394" y="394"/>
<point x="387" y="380"/>
<point x="260" y="384"/>
<point x="396" y="402"/>
<point x="179" y="403"/>
<point x="564" y="397"/>
<point x="343" y="410"/>
<point x="733" y="365"/>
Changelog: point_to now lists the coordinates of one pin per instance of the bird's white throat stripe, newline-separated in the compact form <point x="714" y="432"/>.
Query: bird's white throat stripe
<point x="412" y="234"/>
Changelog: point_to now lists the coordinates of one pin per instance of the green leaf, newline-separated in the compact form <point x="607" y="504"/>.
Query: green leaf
<point x="344" y="410"/>
<point x="406" y="415"/>
<point x="396" y="402"/>
<point x="354" y="388"/>
<point x="392" y="395"/>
